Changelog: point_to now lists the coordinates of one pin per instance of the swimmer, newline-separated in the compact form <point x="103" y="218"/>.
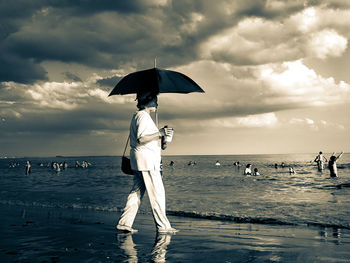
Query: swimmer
<point x="291" y="170"/>
<point x="256" y="173"/>
<point x="217" y="163"/>
<point x="248" y="169"/>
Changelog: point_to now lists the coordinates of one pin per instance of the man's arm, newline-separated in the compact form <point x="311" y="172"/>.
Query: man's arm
<point x="150" y="137"/>
<point x="340" y="155"/>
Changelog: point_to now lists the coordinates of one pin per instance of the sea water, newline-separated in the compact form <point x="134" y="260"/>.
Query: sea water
<point x="201" y="190"/>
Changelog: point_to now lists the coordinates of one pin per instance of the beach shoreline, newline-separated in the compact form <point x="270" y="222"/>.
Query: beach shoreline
<point x="41" y="234"/>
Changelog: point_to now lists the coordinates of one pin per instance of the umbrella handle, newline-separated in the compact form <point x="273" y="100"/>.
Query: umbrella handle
<point x="157" y="119"/>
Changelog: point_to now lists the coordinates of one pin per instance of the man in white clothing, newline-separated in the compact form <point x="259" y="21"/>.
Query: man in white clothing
<point x="145" y="158"/>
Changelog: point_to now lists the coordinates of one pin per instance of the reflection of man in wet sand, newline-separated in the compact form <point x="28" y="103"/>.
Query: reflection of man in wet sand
<point x="127" y="245"/>
<point x="159" y="249"/>
<point x="320" y="160"/>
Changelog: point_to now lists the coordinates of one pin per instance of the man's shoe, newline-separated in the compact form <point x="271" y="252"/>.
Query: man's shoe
<point x="126" y="229"/>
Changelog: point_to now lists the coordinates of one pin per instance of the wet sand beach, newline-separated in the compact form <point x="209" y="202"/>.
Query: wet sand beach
<point x="37" y="234"/>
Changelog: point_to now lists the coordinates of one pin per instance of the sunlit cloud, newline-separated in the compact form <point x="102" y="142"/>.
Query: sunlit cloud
<point x="230" y="89"/>
<point x="315" y="125"/>
<point x="58" y="95"/>
<point x="296" y="83"/>
<point x="328" y="124"/>
<point x="306" y="122"/>
<point x="327" y="43"/>
<point x="305" y="21"/>
<point x="313" y="32"/>
<point x="250" y="121"/>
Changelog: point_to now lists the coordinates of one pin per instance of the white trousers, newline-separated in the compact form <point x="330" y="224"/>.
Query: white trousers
<point x="152" y="182"/>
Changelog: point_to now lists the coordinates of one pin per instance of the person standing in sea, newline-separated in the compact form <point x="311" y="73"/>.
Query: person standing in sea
<point x="145" y="159"/>
<point x="332" y="164"/>
<point x="28" y="168"/>
<point x="320" y="160"/>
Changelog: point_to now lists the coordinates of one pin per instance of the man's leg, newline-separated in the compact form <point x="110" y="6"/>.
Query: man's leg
<point x="156" y="193"/>
<point x="132" y="205"/>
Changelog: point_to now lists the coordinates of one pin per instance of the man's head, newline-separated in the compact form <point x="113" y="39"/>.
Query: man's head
<point x="147" y="101"/>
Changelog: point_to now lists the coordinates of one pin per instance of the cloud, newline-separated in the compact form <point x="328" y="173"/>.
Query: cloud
<point x="71" y="76"/>
<point x="327" y="43"/>
<point x="304" y="122"/>
<point x="295" y="83"/>
<point x="312" y="32"/>
<point x="251" y="90"/>
<point x="332" y="125"/>
<point x="58" y="95"/>
<point x="60" y="60"/>
<point x="250" y="121"/>
<point x="109" y="81"/>
<point x="116" y="34"/>
<point x="315" y="125"/>
<point x="253" y="41"/>
<point x="14" y="68"/>
<point x="235" y="96"/>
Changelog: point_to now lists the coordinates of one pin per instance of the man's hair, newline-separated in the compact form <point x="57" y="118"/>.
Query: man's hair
<point x="147" y="102"/>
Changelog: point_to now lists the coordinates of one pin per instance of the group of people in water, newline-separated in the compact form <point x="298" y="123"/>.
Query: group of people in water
<point x="320" y="159"/>
<point x="248" y="169"/>
<point x="56" y="166"/>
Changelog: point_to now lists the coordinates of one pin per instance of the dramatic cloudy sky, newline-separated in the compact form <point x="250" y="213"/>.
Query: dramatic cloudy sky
<point x="275" y="72"/>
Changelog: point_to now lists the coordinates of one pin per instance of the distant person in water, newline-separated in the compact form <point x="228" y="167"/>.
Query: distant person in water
<point x="291" y="170"/>
<point x="28" y="168"/>
<point x="248" y="169"/>
<point x="217" y="163"/>
<point x="171" y="163"/>
<point x="256" y="173"/>
<point x="276" y="165"/>
<point x="332" y="164"/>
<point x="320" y="160"/>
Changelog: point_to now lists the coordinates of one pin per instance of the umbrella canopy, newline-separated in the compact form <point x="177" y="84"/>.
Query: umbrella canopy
<point x="155" y="81"/>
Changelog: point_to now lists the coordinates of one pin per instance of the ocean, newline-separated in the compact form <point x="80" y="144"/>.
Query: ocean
<point x="203" y="190"/>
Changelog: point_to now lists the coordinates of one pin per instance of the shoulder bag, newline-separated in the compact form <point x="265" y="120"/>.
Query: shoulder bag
<point x="126" y="166"/>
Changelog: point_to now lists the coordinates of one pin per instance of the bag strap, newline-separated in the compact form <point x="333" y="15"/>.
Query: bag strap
<point x="126" y="146"/>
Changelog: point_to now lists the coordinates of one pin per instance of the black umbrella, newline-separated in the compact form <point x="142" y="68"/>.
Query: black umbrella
<point x="155" y="81"/>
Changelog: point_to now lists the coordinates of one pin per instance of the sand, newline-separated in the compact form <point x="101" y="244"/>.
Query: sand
<point x="30" y="234"/>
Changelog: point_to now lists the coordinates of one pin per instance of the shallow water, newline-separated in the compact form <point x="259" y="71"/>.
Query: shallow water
<point x="202" y="190"/>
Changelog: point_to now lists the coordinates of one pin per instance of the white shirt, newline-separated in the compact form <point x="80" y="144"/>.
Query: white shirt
<point x="143" y="157"/>
<point x="247" y="171"/>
